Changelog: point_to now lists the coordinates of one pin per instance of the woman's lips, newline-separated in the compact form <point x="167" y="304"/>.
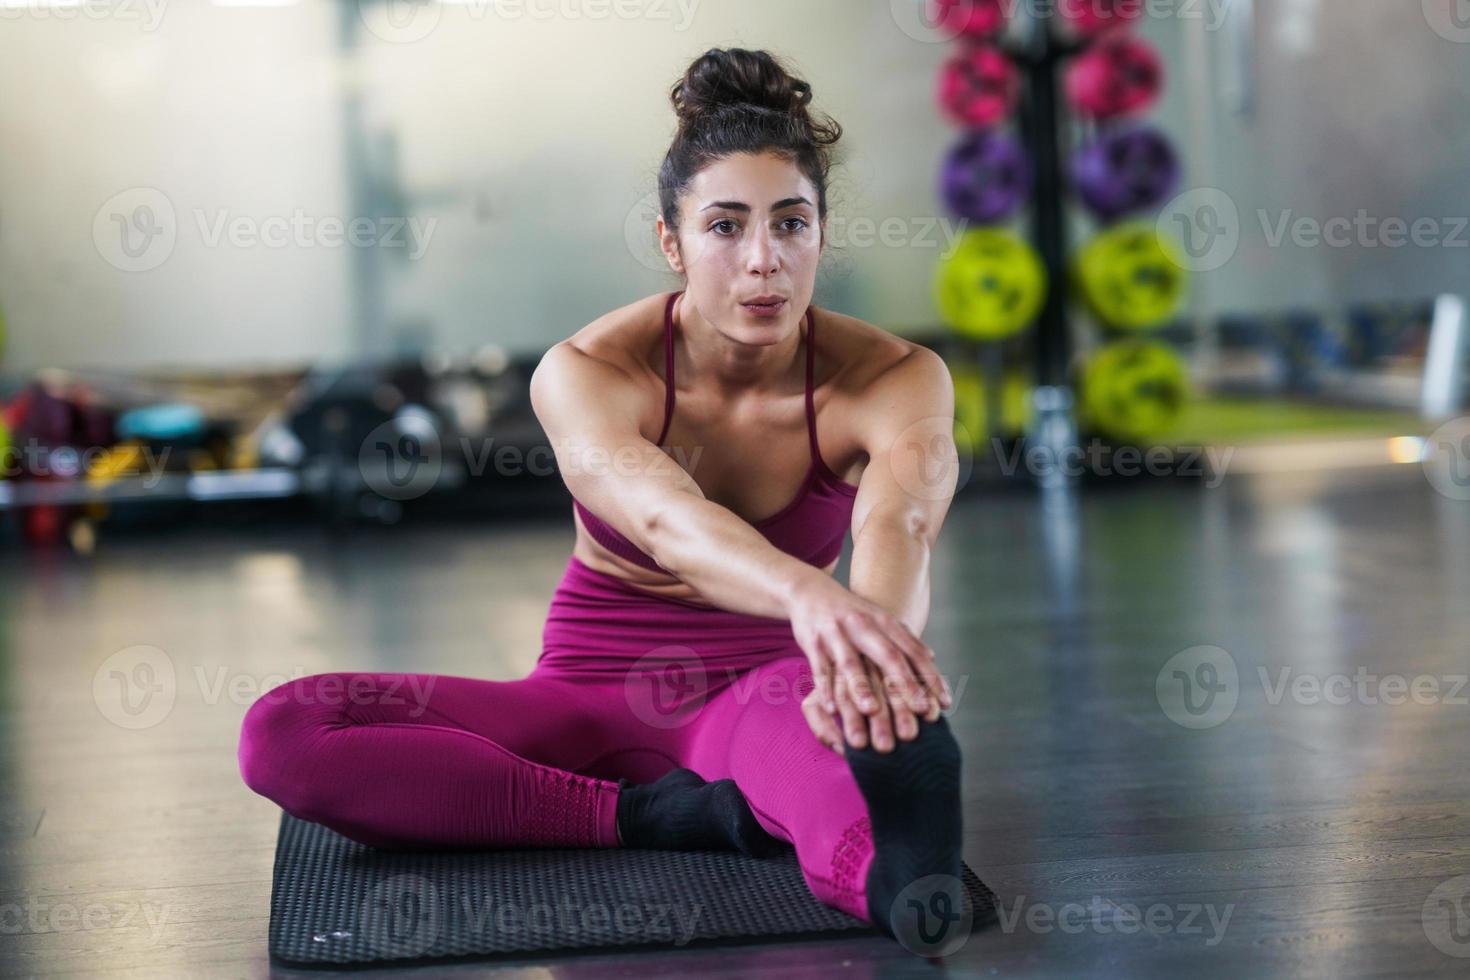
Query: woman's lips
<point x="764" y="309"/>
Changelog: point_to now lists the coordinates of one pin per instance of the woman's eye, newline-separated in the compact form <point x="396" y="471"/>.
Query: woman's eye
<point x="726" y="226"/>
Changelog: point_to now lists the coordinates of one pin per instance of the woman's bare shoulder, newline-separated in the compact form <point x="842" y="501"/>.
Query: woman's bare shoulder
<point x="864" y="353"/>
<point x="604" y="366"/>
<point x="624" y="337"/>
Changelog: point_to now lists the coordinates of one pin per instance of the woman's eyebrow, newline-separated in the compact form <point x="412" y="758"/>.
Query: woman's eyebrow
<point x="741" y="206"/>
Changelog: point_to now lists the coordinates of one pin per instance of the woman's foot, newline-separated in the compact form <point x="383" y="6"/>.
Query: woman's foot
<point x="682" y="812"/>
<point x="914" y="890"/>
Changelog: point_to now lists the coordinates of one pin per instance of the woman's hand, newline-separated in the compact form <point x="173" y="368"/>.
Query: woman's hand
<point x="867" y="668"/>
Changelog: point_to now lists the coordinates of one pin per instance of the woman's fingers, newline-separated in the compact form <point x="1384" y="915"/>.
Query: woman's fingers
<point x="883" y="649"/>
<point x="921" y="662"/>
<point x="904" y="724"/>
<point x="822" y="681"/>
<point x="866" y="666"/>
<point x="928" y="670"/>
<point x="852" y="675"/>
<point x="925" y="665"/>
<point x="854" y="722"/>
<point x="922" y="684"/>
<point x="882" y="724"/>
<point x="934" y="712"/>
<point x="821" y="722"/>
<point x="892" y="720"/>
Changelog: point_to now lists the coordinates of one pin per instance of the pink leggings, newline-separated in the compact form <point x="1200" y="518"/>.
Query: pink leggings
<point x="628" y="685"/>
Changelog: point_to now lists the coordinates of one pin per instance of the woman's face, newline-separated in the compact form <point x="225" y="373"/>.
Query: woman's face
<point x="748" y="230"/>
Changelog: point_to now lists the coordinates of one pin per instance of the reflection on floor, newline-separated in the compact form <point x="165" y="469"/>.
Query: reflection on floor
<point x="1304" y="813"/>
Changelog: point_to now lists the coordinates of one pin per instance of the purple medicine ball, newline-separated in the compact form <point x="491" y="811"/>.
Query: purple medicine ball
<point x="1127" y="169"/>
<point x="986" y="176"/>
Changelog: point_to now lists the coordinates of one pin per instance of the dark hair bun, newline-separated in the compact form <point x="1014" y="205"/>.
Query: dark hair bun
<point x="731" y="101"/>
<point x="726" y="78"/>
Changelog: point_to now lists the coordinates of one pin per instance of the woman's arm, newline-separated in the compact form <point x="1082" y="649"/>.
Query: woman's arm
<point x="907" y="486"/>
<point x="906" y="422"/>
<point x="589" y="409"/>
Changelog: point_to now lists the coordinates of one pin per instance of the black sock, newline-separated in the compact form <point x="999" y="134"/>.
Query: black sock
<point x="682" y="812"/>
<point x="913" y="797"/>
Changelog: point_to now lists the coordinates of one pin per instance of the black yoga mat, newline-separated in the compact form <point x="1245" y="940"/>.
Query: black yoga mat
<point x="336" y="901"/>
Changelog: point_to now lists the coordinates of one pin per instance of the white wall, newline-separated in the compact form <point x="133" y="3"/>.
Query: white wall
<point x="1359" y="105"/>
<point x="530" y="142"/>
<point x="216" y="108"/>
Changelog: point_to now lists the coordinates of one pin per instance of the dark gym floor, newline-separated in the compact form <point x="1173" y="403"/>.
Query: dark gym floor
<point x="1295" y="836"/>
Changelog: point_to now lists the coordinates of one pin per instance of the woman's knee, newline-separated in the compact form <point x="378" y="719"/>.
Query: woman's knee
<point x="278" y="728"/>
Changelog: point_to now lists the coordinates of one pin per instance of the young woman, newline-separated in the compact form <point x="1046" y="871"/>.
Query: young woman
<point x="704" y="681"/>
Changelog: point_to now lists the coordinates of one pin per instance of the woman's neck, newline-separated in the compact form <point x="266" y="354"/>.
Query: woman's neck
<point x="710" y="359"/>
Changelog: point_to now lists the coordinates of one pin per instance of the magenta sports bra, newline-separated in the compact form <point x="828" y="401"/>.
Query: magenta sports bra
<point x="812" y="527"/>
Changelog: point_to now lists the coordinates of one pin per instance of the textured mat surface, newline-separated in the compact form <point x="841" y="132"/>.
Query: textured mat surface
<point x="336" y="901"/>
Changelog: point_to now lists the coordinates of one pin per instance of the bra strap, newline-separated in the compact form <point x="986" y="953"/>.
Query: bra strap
<point x="668" y="366"/>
